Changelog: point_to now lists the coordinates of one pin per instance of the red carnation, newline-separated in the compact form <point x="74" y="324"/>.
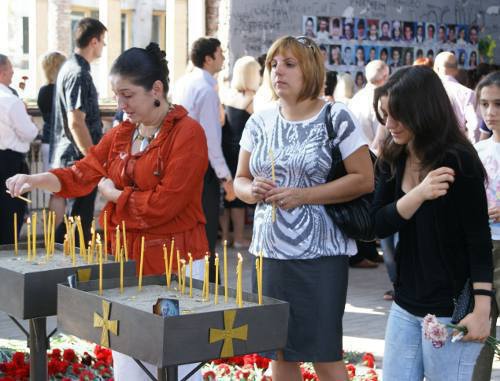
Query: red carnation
<point x="69" y="355"/>
<point x="76" y="368"/>
<point x="351" y="370"/>
<point x="209" y="375"/>
<point x="368" y="360"/>
<point x="223" y="369"/>
<point x="87" y="375"/>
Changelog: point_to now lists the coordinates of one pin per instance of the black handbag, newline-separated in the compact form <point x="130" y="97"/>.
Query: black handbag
<point x="352" y="217"/>
<point x="463" y="303"/>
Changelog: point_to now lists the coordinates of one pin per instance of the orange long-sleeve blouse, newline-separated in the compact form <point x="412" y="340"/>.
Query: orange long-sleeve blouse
<point x="162" y="188"/>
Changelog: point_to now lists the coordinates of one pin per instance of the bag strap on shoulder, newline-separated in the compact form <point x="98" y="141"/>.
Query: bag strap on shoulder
<point x="329" y="122"/>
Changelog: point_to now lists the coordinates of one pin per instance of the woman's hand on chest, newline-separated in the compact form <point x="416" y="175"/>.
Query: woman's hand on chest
<point x="108" y="190"/>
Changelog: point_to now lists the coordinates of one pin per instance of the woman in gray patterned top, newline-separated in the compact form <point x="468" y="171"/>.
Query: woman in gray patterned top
<point x="305" y="254"/>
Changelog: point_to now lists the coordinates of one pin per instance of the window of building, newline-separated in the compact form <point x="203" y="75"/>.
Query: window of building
<point x="158" y="30"/>
<point x="26" y="35"/>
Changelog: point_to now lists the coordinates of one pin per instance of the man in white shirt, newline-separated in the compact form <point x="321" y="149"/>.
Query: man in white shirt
<point x="462" y="98"/>
<point x="197" y="92"/>
<point x="361" y="105"/>
<point x="17" y="131"/>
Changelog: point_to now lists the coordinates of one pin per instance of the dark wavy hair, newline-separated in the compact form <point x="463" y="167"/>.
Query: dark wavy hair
<point x="143" y="67"/>
<point x="417" y="99"/>
<point x="202" y="47"/>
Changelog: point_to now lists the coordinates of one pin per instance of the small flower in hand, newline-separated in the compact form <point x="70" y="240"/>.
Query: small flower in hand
<point x="434" y="331"/>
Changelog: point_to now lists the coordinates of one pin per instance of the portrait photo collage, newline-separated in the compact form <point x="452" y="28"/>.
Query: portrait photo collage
<point x="348" y="44"/>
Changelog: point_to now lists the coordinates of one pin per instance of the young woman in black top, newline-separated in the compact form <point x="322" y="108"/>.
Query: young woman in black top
<point x="430" y="189"/>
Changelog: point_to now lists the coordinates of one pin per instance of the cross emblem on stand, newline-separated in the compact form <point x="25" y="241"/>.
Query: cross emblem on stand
<point x="106" y="324"/>
<point x="228" y="334"/>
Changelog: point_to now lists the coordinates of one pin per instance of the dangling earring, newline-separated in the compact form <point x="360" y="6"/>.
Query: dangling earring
<point x="156" y="103"/>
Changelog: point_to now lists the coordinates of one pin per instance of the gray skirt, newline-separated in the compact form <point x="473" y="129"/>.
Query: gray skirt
<point x="316" y="291"/>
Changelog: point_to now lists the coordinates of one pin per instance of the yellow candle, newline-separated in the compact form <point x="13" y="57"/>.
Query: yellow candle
<point x="34" y="235"/>
<point x="165" y="259"/>
<point x="118" y="246"/>
<point x="99" y="249"/>
<point x="73" y="243"/>
<point x="125" y="241"/>
<point x="92" y="242"/>
<point x="44" y="220"/>
<point x="273" y="176"/>
<point x="28" y="225"/>
<point x="65" y="245"/>
<point x="53" y="232"/>
<point x="240" y="276"/>
<point x="225" y="271"/>
<point x="216" y="287"/>
<point x="106" y="235"/>
<point x="15" y="234"/>
<point x="190" y="275"/>
<point x="81" y="236"/>
<point x="183" y="276"/>
<point x="121" y="272"/>
<point x="90" y="254"/>
<point x="178" y="268"/>
<point x="170" y="260"/>
<point x="48" y="247"/>
<point x="141" y="263"/>
<point x="205" y="279"/>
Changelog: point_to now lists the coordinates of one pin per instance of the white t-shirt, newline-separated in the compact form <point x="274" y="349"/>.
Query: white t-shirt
<point x="302" y="157"/>
<point x="489" y="153"/>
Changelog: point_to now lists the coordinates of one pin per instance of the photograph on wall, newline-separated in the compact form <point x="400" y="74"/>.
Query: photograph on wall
<point x="335" y="28"/>
<point x="396" y="31"/>
<point x="309" y="26"/>
<point x="419" y="33"/>
<point x="408" y="56"/>
<point x="373" y="30"/>
<point x="359" y="56"/>
<point x="430" y="34"/>
<point x="408" y="31"/>
<point x="385" y="30"/>
<point x="336" y="55"/>
<point x="360" y="29"/>
<point x="348" y="28"/>
<point x="371" y="52"/>
<point x="322" y="32"/>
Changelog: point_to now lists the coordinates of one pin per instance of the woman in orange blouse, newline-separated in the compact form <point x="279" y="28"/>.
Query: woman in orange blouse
<point x="149" y="168"/>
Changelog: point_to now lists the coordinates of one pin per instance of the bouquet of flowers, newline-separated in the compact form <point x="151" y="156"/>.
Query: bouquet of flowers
<point x="438" y="333"/>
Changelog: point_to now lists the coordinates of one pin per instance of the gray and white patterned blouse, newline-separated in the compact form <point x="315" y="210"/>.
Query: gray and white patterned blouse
<point x="302" y="156"/>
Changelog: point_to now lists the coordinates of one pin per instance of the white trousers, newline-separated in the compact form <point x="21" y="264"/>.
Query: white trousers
<point x="126" y="369"/>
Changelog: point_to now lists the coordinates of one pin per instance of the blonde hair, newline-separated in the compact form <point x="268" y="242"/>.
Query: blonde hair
<point x="344" y="89"/>
<point x="246" y="75"/>
<point x="51" y="63"/>
<point x="310" y="61"/>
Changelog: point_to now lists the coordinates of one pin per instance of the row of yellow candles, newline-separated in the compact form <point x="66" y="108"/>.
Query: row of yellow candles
<point x="181" y="266"/>
<point x="49" y="230"/>
<point x="121" y="255"/>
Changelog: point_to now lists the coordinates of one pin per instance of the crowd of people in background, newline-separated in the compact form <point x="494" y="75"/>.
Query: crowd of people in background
<point x="196" y="160"/>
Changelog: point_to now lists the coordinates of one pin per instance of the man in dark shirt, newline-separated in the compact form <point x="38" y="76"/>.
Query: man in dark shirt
<point x="77" y="121"/>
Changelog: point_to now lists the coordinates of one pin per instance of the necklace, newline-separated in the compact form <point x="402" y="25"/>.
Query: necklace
<point x="145" y="140"/>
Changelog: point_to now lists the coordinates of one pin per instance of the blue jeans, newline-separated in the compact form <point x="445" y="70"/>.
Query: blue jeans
<point x="409" y="356"/>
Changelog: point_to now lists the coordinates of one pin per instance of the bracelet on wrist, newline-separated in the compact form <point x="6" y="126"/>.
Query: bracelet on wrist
<point x="481" y="291"/>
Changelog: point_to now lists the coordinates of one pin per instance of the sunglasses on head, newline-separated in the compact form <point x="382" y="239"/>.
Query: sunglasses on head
<point x="306" y="41"/>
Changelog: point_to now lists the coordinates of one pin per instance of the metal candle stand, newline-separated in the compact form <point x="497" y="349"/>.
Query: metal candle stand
<point x="222" y="330"/>
<point x="32" y="296"/>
